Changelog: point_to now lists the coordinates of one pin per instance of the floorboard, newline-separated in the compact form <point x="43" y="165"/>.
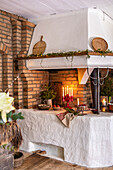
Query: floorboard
<point x="38" y="162"/>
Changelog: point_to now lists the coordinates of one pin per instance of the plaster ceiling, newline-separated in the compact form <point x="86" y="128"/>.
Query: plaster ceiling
<point x="33" y="9"/>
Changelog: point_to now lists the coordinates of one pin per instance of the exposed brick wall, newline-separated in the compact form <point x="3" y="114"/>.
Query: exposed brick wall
<point x="70" y="78"/>
<point x="15" y="37"/>
<point x="28" y="86"/>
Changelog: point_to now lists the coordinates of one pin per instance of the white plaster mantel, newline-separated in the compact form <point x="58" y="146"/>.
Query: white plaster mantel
<point x="77" y="62"/>
<point x="88" y="142"/>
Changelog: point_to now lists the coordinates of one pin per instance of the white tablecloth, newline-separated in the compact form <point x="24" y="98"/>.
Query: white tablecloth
<point x="88" y="142"/>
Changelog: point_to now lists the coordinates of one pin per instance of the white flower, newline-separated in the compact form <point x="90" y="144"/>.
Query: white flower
<point x="5" y="105"/>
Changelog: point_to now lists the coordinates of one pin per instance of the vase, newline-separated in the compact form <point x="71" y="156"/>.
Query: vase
<point x="49" y="102"/>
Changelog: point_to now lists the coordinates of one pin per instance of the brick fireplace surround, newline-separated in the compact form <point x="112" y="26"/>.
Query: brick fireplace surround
<point x="15" y="37"/>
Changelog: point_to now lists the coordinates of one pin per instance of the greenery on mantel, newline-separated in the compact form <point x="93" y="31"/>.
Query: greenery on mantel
<point x="103" y="52"/>
<point x="71" y="53"/>
<point x="60" y="54"/>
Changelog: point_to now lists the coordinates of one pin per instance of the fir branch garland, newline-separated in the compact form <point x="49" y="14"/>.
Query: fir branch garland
<point x="71" y="53"/>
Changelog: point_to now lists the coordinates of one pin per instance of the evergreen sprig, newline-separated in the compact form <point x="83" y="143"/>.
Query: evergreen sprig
<point x="48" y="93"/>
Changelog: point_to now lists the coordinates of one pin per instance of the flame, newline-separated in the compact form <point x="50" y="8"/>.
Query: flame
<point x="104" y="100"/>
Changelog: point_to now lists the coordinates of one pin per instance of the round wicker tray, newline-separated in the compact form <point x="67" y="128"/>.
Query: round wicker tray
<point x="99" y="44"/>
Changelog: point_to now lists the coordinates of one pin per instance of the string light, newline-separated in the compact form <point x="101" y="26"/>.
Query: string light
<point x="13" y="81"/>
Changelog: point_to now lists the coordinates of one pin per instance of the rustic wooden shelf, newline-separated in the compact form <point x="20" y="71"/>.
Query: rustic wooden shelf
<point x="47" y="56"/>
<point x="97" y="53"/>
<point x="75" y="54"/>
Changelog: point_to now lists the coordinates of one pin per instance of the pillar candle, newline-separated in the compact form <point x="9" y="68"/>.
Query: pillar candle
<point x="63" y="91"/>
<point x="72" y="91"/>
<point x="67" y="90"/>
<point x="77" y="101"/>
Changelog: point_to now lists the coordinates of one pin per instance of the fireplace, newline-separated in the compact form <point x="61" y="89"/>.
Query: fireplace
<point x="24" y="80"/>
<point x="63" y="78"/>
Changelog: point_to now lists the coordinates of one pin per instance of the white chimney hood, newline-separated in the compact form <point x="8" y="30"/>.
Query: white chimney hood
<point x="72" y="32"/>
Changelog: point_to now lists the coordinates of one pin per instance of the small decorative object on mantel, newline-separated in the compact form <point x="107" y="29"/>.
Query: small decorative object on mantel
<point x="110" y="106"/>
<point x="43" y="107"/>
<point x="47" y="94"/>
<point x="67" y="95"/>
<point x="56" y="107"/>
<point x="82" y="107"/>
<point x="99" y="44"/>
<point x="39" y="47"/>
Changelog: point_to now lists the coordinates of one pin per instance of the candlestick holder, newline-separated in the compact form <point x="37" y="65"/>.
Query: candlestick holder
<point x="68" y="99"/>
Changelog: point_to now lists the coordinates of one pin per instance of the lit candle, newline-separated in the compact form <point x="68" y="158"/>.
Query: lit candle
<point x="63" y="91"/>
<point x="67" y="90"/>
<point x="72" y="92"/>
<point x="104" y="102"/>
<point x="77" y="101"/>
<point x="103" y="109"/>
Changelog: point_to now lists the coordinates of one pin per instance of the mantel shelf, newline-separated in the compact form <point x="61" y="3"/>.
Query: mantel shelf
<point x="97" y="53"/>
<point x="75" y="54"/>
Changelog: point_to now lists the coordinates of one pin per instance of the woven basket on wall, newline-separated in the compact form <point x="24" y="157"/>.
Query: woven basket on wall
<point x="99" y="44"/>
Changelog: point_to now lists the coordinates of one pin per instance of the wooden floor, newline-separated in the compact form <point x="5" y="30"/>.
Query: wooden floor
<point x="38" y="162"/>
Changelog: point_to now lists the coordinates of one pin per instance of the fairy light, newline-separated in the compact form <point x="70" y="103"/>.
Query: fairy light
<point x="13" y="82"/>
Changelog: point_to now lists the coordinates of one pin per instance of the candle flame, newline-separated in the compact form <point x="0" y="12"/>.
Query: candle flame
<point x="103" y="100"/>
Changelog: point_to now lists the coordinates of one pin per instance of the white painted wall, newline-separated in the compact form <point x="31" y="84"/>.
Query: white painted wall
<point x="99" y="25"/>
<point x="64" y="32"/>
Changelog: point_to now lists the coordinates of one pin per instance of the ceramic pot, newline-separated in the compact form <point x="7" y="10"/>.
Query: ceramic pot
<point x="18" y="159"/>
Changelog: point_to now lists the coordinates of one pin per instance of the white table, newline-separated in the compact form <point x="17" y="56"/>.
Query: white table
<point x="88" y="142"/>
